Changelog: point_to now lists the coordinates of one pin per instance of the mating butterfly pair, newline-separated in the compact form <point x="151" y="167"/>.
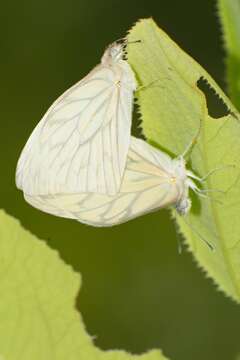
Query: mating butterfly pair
<point x="81" y="161"/>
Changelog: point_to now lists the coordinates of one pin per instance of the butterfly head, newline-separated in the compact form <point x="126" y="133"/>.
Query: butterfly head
<point x="183" y="206"/>
<point x="114" y="53"/>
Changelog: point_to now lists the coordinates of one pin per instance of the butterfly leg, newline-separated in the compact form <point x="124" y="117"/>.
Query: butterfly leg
<point x="205" y="177"/>
<point x="204" y="194"/>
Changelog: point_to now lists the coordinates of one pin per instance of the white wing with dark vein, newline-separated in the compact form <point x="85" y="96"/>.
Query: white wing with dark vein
<point x="81" y="143"/>
<point x="146" y="187"/>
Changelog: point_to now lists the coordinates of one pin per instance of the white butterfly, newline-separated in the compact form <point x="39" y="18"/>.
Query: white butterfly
<point x="81" y="143"/>
<point x="152" y="180"/>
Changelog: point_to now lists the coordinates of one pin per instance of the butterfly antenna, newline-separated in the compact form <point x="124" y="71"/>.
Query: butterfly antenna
<point x="125" y="41"/>
<point x="210" y="246"/>
<point x="134" y="41"/>
<point x="205" y="177"/>
<point x="193" y="142"/>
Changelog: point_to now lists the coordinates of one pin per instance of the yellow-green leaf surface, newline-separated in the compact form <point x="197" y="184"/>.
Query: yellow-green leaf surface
<point x="171" y="109"/>
<point x="229" y="14"/>
<point x="38" y="319"/>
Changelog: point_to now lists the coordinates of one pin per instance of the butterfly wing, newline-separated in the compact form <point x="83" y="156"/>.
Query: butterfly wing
<point x="81" y="143"/>
<point x="146" y="187"/>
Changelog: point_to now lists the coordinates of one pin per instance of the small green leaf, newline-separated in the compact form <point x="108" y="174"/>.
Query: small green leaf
<point x="229" y="14"/>
<point x="171" y="110"/>
<point x="37" y="304"/>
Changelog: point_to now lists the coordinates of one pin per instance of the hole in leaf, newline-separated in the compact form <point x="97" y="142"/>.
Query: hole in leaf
<point x="216" y="106"/>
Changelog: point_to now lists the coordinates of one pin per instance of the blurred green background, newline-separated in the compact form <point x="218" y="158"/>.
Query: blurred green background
<point x="138" y="292"/>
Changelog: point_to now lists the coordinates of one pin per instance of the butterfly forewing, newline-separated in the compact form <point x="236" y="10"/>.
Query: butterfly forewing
<point x="81" y="143"/>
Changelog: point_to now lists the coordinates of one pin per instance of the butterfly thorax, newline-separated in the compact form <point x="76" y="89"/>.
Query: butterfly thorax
<point x="179" y="168"/>
<point x="183" y="203"/>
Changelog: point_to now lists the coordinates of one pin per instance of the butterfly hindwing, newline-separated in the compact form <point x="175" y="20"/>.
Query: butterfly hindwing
<point x="146" y="187"/>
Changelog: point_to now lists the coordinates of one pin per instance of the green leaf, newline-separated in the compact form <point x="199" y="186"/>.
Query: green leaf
<point x="171" y="109"/>
<point x="229" y="14"/>
<point x="37" y="304"/>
